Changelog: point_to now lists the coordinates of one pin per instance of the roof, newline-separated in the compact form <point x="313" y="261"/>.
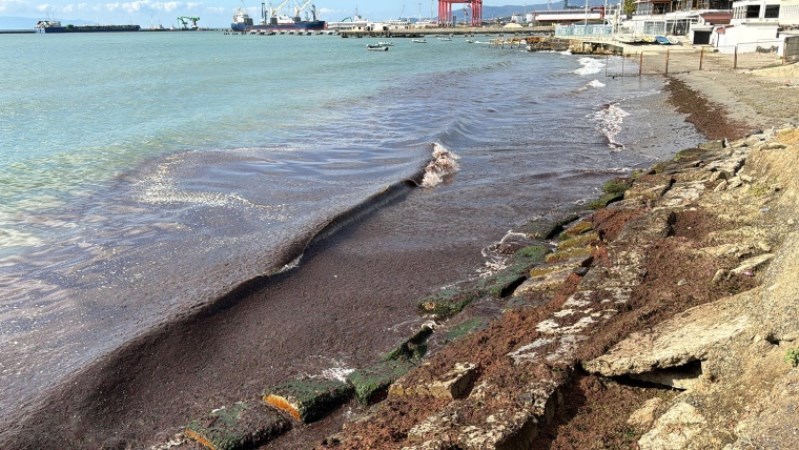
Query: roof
<point x="717" y="17"/>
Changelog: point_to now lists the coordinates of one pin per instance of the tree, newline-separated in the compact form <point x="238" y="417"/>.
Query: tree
<point x="629" y="6"/>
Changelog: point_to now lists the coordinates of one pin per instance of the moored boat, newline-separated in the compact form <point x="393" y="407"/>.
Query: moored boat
<point x="54" y="26"/>
<point x="377" y="47"/>
<point x="273" y="20"/>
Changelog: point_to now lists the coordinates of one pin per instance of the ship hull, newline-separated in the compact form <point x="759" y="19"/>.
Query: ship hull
<point x="307" y="25"/>
<point x="89" y="29"/>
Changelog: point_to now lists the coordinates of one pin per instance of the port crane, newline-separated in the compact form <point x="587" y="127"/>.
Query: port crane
<point x="298" y="9"/>
<point x="445" y="11"/>
<point x="273" y="14"/>
<point x="184" y="22"/>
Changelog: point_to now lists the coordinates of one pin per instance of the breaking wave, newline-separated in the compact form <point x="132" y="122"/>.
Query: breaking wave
<point x="609" y="122"/>
<point x="596" y="84"/>
<point x="444" y="163"/>
<point x="590" y="66"/>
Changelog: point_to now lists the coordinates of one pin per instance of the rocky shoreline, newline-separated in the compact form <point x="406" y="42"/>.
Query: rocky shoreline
<point x="664" y="319"/>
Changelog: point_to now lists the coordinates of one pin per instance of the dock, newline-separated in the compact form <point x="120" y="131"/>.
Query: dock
<point x="447" y="32"/>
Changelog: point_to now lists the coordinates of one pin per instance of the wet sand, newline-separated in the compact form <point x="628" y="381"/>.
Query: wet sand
<point x="351" y="299"/>
<point x="350" y="302"/>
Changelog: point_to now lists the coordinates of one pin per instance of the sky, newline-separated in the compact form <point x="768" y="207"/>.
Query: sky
<point x="212" y="13"/>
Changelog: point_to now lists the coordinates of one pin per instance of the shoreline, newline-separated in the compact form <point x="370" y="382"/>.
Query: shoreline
<point x="600" y="405"/>
<point x="200" y="325"/>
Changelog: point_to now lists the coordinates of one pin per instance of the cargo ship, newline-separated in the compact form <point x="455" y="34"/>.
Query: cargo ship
<point x="54" y="26"/>
<point x="273" y="21"/>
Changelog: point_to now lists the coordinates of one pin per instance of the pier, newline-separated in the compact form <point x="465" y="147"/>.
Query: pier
<point x="445" y="31"/>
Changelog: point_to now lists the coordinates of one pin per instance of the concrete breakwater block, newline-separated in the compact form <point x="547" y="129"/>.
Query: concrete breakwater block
<point x="310" y="399"/>
<point x="451" y="301"/>
<point x="240" y="426"/>
<point x="447" y="303"/>
<point x="550" y="226"/>
<point x="504" y="282"/>
<point x="455" y="384"/>
<point x="371" y="383"/>
<point x="413" y="348"/>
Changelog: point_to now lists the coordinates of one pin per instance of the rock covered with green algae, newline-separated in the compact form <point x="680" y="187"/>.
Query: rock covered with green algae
<point x="309" y="399"/>
<point x="447" y="302"/>
<point x="466" y="327"/>
<point x="504" y="282"/>
<point x="241" y="426"/>
<point x="413" y="348"/>
<point x="371" y="383"/>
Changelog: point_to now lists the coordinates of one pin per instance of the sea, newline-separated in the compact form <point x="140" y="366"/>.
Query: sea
<point x="143" y="176"/>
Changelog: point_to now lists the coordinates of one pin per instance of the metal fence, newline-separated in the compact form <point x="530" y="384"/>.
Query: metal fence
<point x="790" y="51"/>
<point x="583" y="30"/>
<point x="682" y="61"/>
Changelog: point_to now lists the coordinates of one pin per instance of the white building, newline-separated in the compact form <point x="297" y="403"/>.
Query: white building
<point x="676" y="17"/>
<point x="757" y="25"/>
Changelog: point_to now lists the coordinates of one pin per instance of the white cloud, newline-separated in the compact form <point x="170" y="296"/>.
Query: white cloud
<point x="147" y="5"/>
<point x="44" y="7"/>
<point x="7" y="6"/>
<point x="167" y="6"/>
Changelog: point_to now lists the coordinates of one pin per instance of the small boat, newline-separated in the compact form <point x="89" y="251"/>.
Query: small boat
<point x="386" y="44"/>
<point x="662" y="40"/>
<point x="469" y="41"/>
<point x="444" y="39"/>
<point x="376" y="48"/>
<point x="419" y="41"/>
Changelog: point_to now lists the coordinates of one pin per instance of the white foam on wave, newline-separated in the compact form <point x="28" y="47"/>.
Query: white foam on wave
<point x="337" y="373"/>
<point x="493" y="259"/>
<point x="444" y="163"/>
<point x="590" y="66"/>
<point x="596" y="84"/>
<point x="609" y="122"/>
<point x="293" y="264"/>
<point x="159" y="189"/>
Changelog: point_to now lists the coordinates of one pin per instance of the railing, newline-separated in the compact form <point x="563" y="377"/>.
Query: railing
<point x="682" y="61"/>
<point x="583" y="30"/>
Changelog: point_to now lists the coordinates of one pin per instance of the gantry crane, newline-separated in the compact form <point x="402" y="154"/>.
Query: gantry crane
<point x="445" y="11"/>
<point x="184" y="22"/>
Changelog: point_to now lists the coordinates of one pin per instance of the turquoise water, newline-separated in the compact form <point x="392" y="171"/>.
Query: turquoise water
<point x="78" y="110"/>
<point x="143" y="175"/>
